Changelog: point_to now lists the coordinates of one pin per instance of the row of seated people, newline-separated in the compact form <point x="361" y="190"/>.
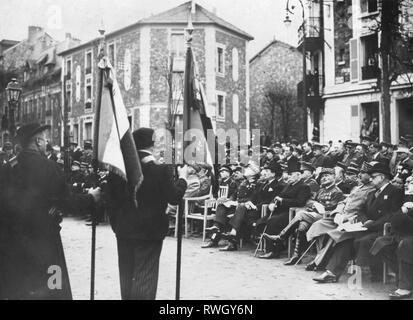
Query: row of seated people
<point x="343" y="226"/>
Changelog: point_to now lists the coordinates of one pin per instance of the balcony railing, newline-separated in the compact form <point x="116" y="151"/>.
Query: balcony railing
<point x="370" y="72"/>
<point x="312" y="29"/>
<point x="314" y="86"/>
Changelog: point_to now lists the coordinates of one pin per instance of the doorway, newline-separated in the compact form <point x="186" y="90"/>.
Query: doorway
<point x="405" y="116"/>
<point x="370" y="117"/>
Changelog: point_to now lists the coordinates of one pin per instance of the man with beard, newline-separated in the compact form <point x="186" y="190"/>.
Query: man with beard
<point x="347" y="210"/>
<point x="30" y="217"/>
<point x="295" y="194"/>
<point x="325" y="201"/>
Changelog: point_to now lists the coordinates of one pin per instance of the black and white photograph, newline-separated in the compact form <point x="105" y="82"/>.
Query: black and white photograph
<point x="219" y="151"/>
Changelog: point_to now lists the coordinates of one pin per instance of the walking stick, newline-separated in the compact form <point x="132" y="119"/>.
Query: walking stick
<point x="262" y="235"/>
<point x="308" y="249"/>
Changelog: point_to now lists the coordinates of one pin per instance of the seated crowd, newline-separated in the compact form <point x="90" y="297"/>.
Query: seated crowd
<point x="343" y="196"/>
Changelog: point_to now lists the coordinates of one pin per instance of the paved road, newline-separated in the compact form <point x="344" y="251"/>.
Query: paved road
<point x="206" y="273"/>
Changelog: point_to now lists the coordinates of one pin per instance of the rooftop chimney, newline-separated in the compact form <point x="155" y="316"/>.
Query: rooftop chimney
<point x="33" y="32"/>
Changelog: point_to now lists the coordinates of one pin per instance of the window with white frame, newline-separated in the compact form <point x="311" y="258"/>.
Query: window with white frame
<point x="220" y="58"/>
<point x="177" y="43"/>
<point x="88" y="93"/>
<point x="88" y="62"/>
<point x="69" y="97"/>
<point x="235" y="64"/>
<point x="88" y="131"/>
<point x="220" y="111"/>
<point x="368" y="6"/>
<point x="112" y="54"/>
<point x="235" y="108"/>
<point x="69" y="68"/>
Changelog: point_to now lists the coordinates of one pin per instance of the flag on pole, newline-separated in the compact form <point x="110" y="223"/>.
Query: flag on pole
<point x="115" y="149"/>
<point x="196" y="109"/>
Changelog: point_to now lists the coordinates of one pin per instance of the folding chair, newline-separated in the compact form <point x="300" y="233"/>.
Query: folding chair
<point x="190" y="214"/>
<point x="261" y="244"/>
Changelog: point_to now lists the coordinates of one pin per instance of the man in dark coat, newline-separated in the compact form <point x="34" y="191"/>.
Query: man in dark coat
<point x="295" y="194"/>
<point x="308" y="154"/>
<point x="246" y="215"/>
<point x="397" y="250"/>
<point x="382" y="203"/>
<point x="30" y="215"/>
<point x="226" y="179"/>
<point x="324" y="202"/>
<point x="245" y="193"/>
<point x="140" y="231"/>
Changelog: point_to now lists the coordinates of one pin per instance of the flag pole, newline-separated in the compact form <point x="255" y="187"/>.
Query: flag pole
<point x="95" y="162"/>
<point x="189" y="30"/>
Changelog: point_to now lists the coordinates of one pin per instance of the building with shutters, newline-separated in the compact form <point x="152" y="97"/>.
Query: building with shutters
<point x="148" y="52"/>
<point x="344" y="69"/>
<point x="36" y="64"/>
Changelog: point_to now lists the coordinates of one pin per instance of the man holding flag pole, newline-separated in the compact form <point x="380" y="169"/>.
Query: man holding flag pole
<point x="138" y="190"/>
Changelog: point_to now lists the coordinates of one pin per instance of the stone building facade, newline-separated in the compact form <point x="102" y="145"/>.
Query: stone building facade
<point x="274" y="74"/>
<point x="37" y="66"/>
<point x="151" y="51"/>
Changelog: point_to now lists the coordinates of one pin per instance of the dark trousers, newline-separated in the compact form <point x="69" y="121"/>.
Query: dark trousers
<point x="139" y="268"/>
<point x="243" y="218"/>
<point x="221" y="215"/>
<point x="398" y="257"/>
<point x="274" y="227"/>
<point x="359" y="249"/>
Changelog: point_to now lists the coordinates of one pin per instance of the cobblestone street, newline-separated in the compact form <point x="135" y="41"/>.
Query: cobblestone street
<point x="206" y="273"/>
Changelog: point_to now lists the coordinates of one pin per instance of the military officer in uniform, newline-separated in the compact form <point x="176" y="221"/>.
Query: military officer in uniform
<point x="325" y="201"/>
<point x="31" y="202"/>
<point x="244" y="194"/>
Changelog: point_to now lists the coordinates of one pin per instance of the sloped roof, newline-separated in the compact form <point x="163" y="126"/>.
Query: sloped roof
<point x="202" y="16"/>
<point x="177" y="15"/>
<point x="273" y="42"/>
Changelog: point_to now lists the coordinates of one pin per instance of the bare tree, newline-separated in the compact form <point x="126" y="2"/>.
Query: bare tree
<point x="281" y="104"/>
<point x="394" y="26"/>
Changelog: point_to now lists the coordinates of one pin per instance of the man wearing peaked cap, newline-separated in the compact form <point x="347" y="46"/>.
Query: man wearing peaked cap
<point x="31" y="210"/>
<point x="381" y="204"/>
<point x="307" y="172"/>
<point x="325" y="200"/>
<point x="226" y="179"/>
<point x="350" y="178"/>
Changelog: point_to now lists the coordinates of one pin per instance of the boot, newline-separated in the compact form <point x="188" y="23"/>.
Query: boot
<point x="288" y="230"/>
<point x="299" y="244"/>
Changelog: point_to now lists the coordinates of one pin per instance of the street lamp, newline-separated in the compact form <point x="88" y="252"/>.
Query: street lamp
<point x="13" y="91"/>
<point x="289" y="10"/>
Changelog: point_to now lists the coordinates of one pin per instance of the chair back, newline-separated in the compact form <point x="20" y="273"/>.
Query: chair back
<point x="223" y="192"/>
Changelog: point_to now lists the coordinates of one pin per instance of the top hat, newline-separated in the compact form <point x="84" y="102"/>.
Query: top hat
<point x="25" y="132"/>
<point x="274" y="167"/>
<point x="379" y="167"/>
<point x="365" y="167"/>
<point x="144" y="138"/>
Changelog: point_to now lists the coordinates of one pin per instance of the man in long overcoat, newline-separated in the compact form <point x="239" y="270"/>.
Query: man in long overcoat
<point x="31" y="201"/>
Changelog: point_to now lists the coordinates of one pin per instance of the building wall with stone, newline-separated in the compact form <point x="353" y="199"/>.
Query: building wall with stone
<point x="277" y="68"/>
<point x="142" y="66"/>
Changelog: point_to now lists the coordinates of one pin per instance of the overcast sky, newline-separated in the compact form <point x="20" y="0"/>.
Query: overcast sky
<point x="263" y="19"/>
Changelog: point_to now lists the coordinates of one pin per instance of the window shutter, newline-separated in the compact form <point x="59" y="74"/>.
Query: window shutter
<point x="355" y="122"/>
<point x="354" y="64"/>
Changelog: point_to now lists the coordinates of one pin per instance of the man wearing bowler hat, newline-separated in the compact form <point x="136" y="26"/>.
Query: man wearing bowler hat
<point x="31" y="204"/>
<point x="140" y="231"/>
<point x="382" y="203"/>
